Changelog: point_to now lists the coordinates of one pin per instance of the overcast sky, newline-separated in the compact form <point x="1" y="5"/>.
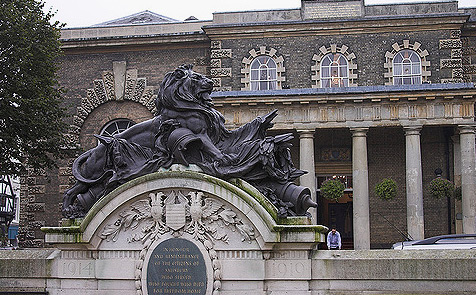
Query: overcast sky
<point x="83" y="13"/>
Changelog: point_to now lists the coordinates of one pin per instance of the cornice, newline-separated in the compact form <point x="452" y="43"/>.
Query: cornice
<point x="134" y="41"/>
<point x="337" y="26"/>
<point x="353" y="95"/>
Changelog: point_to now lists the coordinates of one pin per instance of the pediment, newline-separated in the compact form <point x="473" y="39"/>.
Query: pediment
<point x="140" y="18"/>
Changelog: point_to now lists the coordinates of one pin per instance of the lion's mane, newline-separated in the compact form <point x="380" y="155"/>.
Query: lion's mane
<point x="180" y="92"/>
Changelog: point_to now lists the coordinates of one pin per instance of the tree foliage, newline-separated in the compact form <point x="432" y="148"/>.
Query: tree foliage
<point x="31" y="115"/>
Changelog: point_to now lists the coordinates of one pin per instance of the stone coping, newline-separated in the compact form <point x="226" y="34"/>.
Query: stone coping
<point x="340" y="20"/>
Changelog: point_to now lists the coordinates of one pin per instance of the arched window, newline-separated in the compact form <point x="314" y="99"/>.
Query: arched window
<point x="406" y="68"/>
<point x="116" y="126"/>
<point x="263" y="73"/>
<point x="334" y="71"/>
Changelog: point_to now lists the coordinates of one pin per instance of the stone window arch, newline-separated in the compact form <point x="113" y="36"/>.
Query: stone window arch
<point x="333" y="66"/>
<point x="118" y="85"/>
<point x="263" y="69"/>
<point x="406" y="64"/>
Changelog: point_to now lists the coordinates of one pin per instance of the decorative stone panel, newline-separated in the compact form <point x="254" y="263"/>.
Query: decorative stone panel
<point x="455" y="63"/>
<point x="468" y="58"/>
<point x="217" y="72"/>
<point x="263" y="50"/>
<point x="119" y="84"/>
<point x="333" y="48"/>
<point x="396" y="47"/>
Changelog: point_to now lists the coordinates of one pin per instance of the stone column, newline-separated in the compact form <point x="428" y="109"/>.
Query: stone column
<point x="414" y="183"/>
<point x="306" y="160"/>
<point x="457" y="180"/>
<point x="468" y="177"/>
<point x="360" y="184"/>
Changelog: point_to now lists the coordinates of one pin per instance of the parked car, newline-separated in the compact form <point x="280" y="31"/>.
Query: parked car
<point x="460" y="241"/>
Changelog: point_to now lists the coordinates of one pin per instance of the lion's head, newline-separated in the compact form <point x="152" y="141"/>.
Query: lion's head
<point x="184" y="86"/>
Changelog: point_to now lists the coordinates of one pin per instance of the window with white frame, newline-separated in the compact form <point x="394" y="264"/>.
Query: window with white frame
<point x="116" y="126"/>
<point x="407" y="68"/>
<point x="334" y="71"/>
<point x="263" y="73"/>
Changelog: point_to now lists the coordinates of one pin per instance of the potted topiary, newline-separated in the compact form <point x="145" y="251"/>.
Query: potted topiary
<point x="440" y="188"/>
<point x="332" y="189"/>
<point x="386" y="189"/>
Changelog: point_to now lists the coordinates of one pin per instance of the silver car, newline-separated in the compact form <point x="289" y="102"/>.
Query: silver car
<point x="460" y="241"/>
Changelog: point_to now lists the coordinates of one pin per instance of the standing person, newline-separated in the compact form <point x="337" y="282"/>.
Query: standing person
<point x="333" y="240"/>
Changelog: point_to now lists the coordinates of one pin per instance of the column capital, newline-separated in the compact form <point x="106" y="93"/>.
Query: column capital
<point x="359" y="131"/>
<point x="412" y="130"/>
<point x="466" y="129"/>
<point x="306" y="133"/>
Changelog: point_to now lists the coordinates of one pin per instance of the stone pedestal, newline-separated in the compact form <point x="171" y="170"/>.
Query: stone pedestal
<point x="183" y="232"/>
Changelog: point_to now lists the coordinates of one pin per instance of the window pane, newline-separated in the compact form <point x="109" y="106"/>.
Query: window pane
<point x="254" y="85"/>
<point x="272" y="85"/>
<point x="414" y="57"/>
<point x="343" y="71"/>
<point x="417" y="80"/>
<point x="325" y="72"/>
<point x="407" y="80"/>
<point x="325" y="83"/>
<point x="335" y="82"/>
<point x="416" y="69"/>
<point x="263" y="74"/>
<point x="271" y="63"/>
<point x="326" y="61"/>
<point x="272" y="74"/>
<point x="254" y="75"/>
<point x="255" y="64"/>
<point x="398" y="58"/>
<point x="346" y="82"/>
<point x="397" y="81"/>
<point x="407" y="69"/>
<point x="334" y="71"/>
<point x="263" y="85"/>
<point x="397" y="70"/>
<point x="342" y="60"/>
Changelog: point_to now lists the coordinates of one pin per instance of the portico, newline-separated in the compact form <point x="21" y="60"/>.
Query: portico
<point x="366" y="115"/>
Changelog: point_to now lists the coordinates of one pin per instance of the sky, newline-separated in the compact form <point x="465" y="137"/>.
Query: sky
<point x="83" y="13"/>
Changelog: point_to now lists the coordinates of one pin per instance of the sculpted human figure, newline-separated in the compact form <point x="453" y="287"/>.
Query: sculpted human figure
<point x="188" y="130"/>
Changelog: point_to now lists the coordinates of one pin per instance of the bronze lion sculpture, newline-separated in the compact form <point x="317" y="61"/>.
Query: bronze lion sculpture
<point x="188" y="130"/>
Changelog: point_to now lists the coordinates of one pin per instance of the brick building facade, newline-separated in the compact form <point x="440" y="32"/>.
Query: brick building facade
<point x="371" y="129"/>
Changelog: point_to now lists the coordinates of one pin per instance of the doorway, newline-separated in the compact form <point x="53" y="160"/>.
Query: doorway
<point x="338" y="214"/>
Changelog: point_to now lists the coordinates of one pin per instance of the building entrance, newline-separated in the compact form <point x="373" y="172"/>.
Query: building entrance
<point x="338" y="214"/>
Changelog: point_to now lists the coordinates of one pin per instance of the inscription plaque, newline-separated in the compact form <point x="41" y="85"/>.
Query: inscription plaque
<point x="176" y="266"/>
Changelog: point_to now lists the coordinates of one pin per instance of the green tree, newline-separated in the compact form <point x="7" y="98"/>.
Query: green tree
<point x="31" y="115"/>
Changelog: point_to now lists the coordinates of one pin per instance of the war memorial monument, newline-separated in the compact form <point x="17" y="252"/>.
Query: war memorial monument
<point x="181" y="205"/>
<point x="200" y="195"/>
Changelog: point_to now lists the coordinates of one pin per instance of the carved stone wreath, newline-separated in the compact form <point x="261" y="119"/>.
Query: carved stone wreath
<point x="178" y="213"/>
